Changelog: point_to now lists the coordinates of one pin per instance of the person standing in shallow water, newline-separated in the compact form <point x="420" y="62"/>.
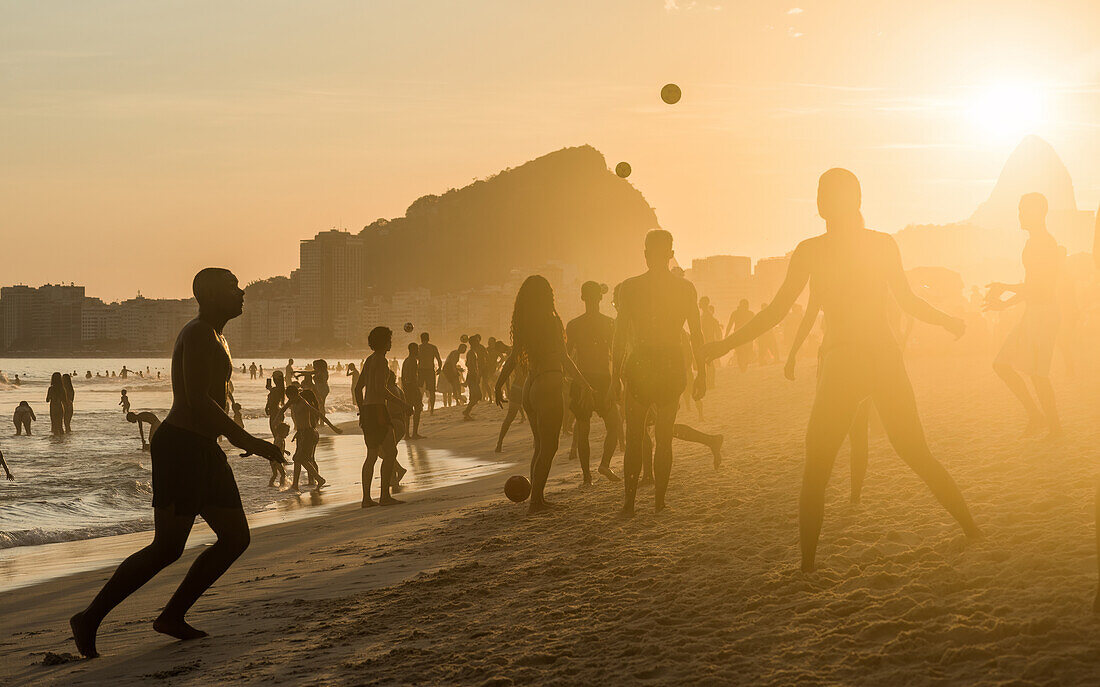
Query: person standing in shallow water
<point x="191" y="475"/>
<point x="70" y="396"/>
<point x="372" y="394"/>
<point x="538" y="340"/>
<point x="1029" y="348"/>
<point x="857" y="275"/>
<point x="55" y="396"/>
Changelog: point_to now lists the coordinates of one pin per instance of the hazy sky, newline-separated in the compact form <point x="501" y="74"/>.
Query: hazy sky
<point x="142" y="140"/>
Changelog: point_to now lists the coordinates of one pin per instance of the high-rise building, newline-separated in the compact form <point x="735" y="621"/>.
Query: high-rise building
<point x="330" y="281"/>
<point x="47" y="318"/>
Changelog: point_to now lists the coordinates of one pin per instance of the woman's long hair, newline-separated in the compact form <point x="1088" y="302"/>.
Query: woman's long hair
<point x="56" y="382"/>
<point x="536" y="326"/>
<point x="67" y="384"/>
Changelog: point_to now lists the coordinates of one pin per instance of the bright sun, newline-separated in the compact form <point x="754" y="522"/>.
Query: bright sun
<point x="1008" y="111"/>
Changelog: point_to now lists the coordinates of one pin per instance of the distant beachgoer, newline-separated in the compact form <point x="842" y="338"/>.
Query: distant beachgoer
<point x="145" y="417"/>
<point x="253" y="370"/>
<point x="372" y="394"/>
<point x="474" y="359"/>
<point x="23" y="417"/>
<point x="857" y="275"/>
<point x="515" y="402"/>
<point x="306" y="416"/>
<point x="1029" y="348"/>
<point x="320" y="383"/>
<point x="16" y="381"/>
<point x="428" y="355"/>
<point x="282" y="431"/>
<point x="538" y="339"/>
<point x="351" y="371"/>
<point x="88" y="374"/>
<point x="237" y="416"/>
<point x="191" y="475"/>
<point x="124" y="372"/>
<point x="4" y="464"/>
<point x="288" y="372"/>
<point x="70" y="396"/>
<point x="124" y="402"/>
<point x="739" y="318"/>
<point x="410" y="387"/>
<point x="588" y="340"/>
<point x="56" y="397"/>
<point x="450" y="371"/>
<point x="648" y="364"/>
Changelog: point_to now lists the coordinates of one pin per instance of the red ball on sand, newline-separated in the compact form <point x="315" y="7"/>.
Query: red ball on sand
<point x="517" y="488"/>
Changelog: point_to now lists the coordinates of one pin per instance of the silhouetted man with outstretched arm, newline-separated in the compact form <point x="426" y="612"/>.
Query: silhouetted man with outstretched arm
<point x="191" y="475"/>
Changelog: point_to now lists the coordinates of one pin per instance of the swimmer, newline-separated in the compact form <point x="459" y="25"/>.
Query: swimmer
<point x="23" y="417"/>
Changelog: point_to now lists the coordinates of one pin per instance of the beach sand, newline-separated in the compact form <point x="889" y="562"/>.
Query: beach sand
<point x="461" y="587"/>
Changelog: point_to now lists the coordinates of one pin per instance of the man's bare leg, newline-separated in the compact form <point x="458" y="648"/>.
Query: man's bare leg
<point x="858" y="449"/>
<point x="169" y="539"/>
<point x="1045" y="391"/>
<point x="662" y="452"/>
<point x="584" y="449"/>
<point x="633" y="458"/>
<point x="611" y="423"/>
<point x="1016" y="385"/>
<point x="712" y="441"/>
<point x="231" y="526"/>
<point x="389" y="460"/>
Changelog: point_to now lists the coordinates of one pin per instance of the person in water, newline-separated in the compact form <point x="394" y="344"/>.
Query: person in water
<point x="279" y="435"/>
<point x="4" y="464"/>
<point x="647" y="362"/>
<point x="23" y="417"/>
<point x="144" y="418"/>
<point x="1029" y="348"/>
<point x="191" y="474"/>
<point x="124" y="401"/>
<point x="372" y="395"/>
<point x="410" y="388"/>
<point x="56" y="397"/>
<point x="474" y="359"/>
<point x="857" y="275"/>
<point x="538" y="340"/>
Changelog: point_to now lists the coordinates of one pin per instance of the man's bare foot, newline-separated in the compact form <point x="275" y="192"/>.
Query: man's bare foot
<point x="606" y="471"/>
<point x="401" y="472"/>
<point x="627" y="511"/>
<point x="808" y="566"/>
<point x="367" y="503"/>
<point x="1055" y="433"/>
<point x="659" y="506"/>
<point x="321" y="481"/>
<point x="177" y="628"/>
<point x="538" y="507"/>
<point x="499" y="449"/>
<point x="645" y="480"/>
<point x="716" y="449"/>
<point x="84" y="635"/>
<point x="389" y="501"/>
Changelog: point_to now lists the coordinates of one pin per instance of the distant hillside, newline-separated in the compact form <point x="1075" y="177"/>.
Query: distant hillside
<point x="565" y="206"/>
<point x="987" y="246"/>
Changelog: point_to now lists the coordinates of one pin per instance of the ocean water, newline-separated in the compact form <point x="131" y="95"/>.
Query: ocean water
<point x="96" y="481"/>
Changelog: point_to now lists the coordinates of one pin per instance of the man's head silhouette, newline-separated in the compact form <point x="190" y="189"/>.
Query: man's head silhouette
<point x="839" y="197"/>
<point x="217" y="292"/>
<point x="658" y="249"/>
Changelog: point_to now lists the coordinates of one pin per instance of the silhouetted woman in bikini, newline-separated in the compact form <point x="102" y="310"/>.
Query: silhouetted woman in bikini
<point x="538" y="339"/>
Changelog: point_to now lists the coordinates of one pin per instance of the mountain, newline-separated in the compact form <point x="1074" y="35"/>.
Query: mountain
<point x="565" y="206"/>
<point x="987" y="245"/>
<point x="1032" y="167"/>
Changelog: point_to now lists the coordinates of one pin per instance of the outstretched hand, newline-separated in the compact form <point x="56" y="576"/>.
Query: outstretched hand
<point x="11" y="477"/>
<point x="263" y="449"/>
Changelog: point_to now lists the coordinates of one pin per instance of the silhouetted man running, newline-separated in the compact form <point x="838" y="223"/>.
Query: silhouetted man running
<point x="648" y="363"/>
<point x="191" y="475"/>
<point x="857" y="276"/>
<point x="588" y="341"/>
<point x="428" y="355"/>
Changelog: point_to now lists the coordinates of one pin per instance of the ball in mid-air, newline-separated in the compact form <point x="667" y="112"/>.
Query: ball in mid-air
<point x="670" y="93"/>
<point x="408" y="327"/>
<point x="517" y="488"/>
<point x="623" y="169"/>
<point x="464" y="338"/>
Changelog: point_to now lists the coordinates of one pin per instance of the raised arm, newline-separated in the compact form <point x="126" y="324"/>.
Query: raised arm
<point x="502" y="379"/>
<point x="798" y="273"/>
<point x="813" y="309"/>
<point x="909" y="301"/>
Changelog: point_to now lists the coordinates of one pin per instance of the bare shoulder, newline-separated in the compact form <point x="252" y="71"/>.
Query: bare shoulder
<point x="197" y="332"/>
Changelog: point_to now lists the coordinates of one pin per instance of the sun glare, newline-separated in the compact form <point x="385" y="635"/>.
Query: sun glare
<point x="1008" y="110"/>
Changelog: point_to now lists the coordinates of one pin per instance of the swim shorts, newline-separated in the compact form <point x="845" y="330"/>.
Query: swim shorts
<point x="374" y="419"/>
<point x="655" y="375"/>
<point x="190" y="472"/>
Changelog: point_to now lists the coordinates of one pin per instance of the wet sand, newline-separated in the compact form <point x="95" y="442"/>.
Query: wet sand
<point x="459" y="586"/>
